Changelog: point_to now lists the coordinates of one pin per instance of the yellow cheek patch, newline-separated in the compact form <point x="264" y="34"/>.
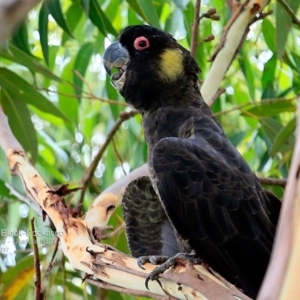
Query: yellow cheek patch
<point x="171" y="64"/>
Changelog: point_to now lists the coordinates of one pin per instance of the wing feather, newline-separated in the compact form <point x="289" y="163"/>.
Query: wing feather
<point x="216" y="203"/>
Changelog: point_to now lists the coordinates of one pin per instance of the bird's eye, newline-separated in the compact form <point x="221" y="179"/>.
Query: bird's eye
<point x="141" y="43"/>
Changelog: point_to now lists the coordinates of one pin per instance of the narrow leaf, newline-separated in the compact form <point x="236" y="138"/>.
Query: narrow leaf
<point x="99" y="19"/>
<point x="68" y="104"/>
<point x="17" y="55"/>
<point x="268" y="77"/>
<point x="73" y="15"/>
<point x="20" y="39"/>
<point x="55" y="10"/>
<point x="43" y="31"/>
<point x="269" y="34"/>
<point x="137" y="8"/>
<point x="80" y="66"/>
<point x="21" y="89"/>
<point x="150" y="11"/>
<point x="283" y="136"/>
<point x="20" y="122"/>
<point x="283" y="25"/>
<point x="269" y="109"/>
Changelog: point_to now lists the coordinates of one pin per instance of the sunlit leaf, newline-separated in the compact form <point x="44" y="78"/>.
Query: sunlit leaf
<point x="16" y="278"/>
<point x="55" y="10"/>
<point x="73" y="14"/>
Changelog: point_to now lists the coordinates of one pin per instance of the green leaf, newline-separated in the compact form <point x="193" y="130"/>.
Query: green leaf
<point x="296" y="59"/>
<point x="269" y="34"/>
<point x="43" y="31"/>
<point x="268" y="77"/>
<point x="15" y="54"/>
<point x="4" y="191"/>
<point x="137" y="8"/>
<point x="20" y="39"/>
<point x="270" y="126"/>
<point x="283" y="136"/>
<point x="22" y="90"/>
<point x="283" y="25"/>
<point x="99" y="19"/>
<point x="247" y="70"/>
<point x="81" y="64"/>
<point x="150" y="12"/>
<point x="68" y="104"/>
<point x="20" y="122"/>
<point x="269" y="108"/>
<point x="73" y="15"/>
<point x="55" y="10"/>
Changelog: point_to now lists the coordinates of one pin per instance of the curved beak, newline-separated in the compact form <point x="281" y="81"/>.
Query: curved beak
<point x="116" y="57"/>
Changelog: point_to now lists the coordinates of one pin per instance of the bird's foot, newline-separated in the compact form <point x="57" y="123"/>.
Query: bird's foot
<point x="166" y="263"/>
<point x="153" y="259"/>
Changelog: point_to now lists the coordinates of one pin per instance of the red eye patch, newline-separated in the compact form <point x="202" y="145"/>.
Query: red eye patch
<point x="141" y="43"/>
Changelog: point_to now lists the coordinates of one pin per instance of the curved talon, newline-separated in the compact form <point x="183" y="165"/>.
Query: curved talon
<point x="141" y="261"/>
<point x="147" y="281"/>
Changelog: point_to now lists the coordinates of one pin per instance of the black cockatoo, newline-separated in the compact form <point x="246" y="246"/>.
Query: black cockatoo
<point x="208" y="192"/>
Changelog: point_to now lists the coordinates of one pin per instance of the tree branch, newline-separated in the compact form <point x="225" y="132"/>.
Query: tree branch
<point x="104" y="264"/>
<point x="89" y="172"/>
<point x="281" y="281"/>
<point x="288" y="9"/>
<point x="273" y="181"/>
<point x="230" y="42"/>
<point x="195" y="27"/>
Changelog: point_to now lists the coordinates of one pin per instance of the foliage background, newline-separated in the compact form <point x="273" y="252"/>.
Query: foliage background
<point x="61" y="106"/>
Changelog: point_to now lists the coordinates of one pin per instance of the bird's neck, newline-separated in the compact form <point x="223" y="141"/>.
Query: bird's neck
<point x="173" y="121"/>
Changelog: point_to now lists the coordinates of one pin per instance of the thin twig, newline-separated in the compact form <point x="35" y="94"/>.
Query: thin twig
<point x="87" y="96"/>
<point x="119" y="156"/>
<point x="51" y="264"/>
<point x="88" y="174"/>
<point x="110" y="286"/>
<point x="27" y="200"/>
<point x="236" y="9"/>
<point x="219" y="92"/>
<point x="194" y="41"/>
<point x="113" y="233"/>
<point x="38" y="293"/>
<point x="290" y="12"/>
<point x="273" y="181"/>
<point x="256" y="103"/>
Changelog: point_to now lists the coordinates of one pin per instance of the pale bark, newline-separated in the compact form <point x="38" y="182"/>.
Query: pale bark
<point x="281" y="281"/>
